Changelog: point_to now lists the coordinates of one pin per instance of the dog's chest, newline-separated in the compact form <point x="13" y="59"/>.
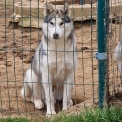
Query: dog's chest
<point x="60" y="65"/>
<point x="60" y="61"/>
<point x="60" y="70"/>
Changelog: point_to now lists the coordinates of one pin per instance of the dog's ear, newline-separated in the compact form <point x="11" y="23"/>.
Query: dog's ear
<point x="49" y="9"/>
<point x="65" y="9"/>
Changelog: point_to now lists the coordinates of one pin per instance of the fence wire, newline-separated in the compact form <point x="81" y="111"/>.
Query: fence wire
<point x="114" y="38"/>
<point x="20" y="34"/>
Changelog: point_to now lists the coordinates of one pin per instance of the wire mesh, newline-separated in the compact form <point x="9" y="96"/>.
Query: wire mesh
<point x="114" y="39"/>
<point x="19" y="41"/>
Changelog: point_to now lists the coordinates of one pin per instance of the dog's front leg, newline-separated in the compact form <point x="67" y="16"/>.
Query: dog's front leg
<point x="68" y="87"/>
<point x="47" y="83"/>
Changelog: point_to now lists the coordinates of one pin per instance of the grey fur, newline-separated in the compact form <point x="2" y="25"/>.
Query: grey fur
<point x="39" y="53"/>
<point x="42" y="51"/>
<point x="66" y="19"/>
<point x="71" y="36"/>
<point x="47" y="19"/>
<point x="46" y="38"/>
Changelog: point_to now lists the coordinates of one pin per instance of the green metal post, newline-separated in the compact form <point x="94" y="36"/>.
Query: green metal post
<point x="102" y="52"/>
<point x="81" y="2"/>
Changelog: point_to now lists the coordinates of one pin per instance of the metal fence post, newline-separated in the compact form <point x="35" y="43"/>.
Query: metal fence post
<point x="81" y="2"/>
<point x="102" y="47"/>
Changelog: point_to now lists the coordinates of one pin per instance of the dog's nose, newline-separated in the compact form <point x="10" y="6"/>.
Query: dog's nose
<point x="55" y="36"/>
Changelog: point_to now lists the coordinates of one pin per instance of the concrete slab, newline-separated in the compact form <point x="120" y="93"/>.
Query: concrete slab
<point x="31" y="13"/>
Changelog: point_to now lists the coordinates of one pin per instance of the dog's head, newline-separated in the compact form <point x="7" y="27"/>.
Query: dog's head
<point x="57" y="22"/>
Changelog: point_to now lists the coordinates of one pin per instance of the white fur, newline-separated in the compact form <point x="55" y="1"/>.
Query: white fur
<point x="63" y="32"/>
<point x="118" y="56"/>
<point x="51" y="77"/>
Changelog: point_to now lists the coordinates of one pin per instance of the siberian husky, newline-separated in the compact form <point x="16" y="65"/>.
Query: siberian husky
<point x="51" y="74"/>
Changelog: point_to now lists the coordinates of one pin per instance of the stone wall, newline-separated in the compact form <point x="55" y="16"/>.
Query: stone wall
<point x="89" y="1"/>
<point x="58" y="2"/>
<point x="10" y="1"/>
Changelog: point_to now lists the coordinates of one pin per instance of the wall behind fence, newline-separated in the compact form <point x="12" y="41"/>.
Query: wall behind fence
<point x="17" y="47"/>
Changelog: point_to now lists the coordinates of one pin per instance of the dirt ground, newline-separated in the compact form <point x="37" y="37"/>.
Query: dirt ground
<point x="14" y="62"/>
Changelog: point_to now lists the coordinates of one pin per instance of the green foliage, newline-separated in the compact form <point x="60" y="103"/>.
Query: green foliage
<point x="112" y="114"/>
<point x="14" y="120"/>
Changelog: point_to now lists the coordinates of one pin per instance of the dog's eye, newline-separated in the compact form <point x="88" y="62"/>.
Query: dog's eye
<point x="61" y="23"/>
<point x="51" y="23"/>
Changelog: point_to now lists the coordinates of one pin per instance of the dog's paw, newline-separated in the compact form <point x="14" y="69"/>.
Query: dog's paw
<point x="67" y="105"/>
<point x="50" y="113"/>
<point x="38" y="104"/>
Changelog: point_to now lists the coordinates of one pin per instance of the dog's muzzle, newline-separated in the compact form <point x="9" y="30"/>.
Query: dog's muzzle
<point x="55" y="36"/>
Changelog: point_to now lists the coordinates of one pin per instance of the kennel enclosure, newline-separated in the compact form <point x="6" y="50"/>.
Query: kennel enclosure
<point x="19" y="34"/>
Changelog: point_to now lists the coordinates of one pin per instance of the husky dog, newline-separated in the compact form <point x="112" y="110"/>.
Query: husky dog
<point x="51" y="74"/>
<point x="118" y="56"/>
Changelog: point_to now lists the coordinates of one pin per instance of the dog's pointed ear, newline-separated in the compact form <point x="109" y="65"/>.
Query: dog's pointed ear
<point x="65" y="9"/>
<point x="49" y="9"/>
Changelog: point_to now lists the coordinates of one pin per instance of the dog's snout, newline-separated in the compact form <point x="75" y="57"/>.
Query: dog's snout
<point x="55" y="35"/>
